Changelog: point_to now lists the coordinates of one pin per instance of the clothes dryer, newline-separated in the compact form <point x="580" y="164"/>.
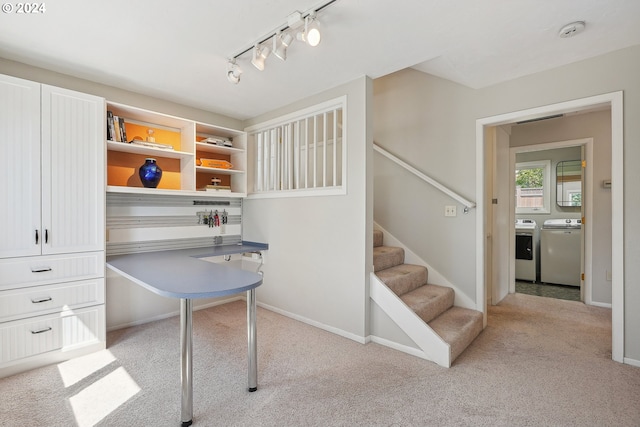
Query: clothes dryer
<point x="526" y="249"/>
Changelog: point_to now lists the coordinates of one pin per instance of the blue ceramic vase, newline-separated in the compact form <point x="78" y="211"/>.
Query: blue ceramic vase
<point x="150" y="173"/>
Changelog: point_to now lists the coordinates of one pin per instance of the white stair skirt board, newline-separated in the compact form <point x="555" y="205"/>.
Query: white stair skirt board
<point x="461" y="300"/>
<point x="434" y="347"/>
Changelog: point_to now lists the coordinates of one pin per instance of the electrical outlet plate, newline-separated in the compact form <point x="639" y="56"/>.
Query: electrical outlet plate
<point x="450" y="211"/>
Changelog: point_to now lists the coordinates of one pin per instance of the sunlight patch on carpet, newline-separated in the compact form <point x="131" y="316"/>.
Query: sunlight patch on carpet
<point x="102" y="397"/>
<point x="75" y="370"/>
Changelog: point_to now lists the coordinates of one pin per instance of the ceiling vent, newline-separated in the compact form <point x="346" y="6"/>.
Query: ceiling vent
<point x="555" y="116"/>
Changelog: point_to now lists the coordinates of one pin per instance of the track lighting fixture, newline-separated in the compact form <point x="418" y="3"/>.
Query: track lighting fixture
<point x="300" y="25"/>
<point x="233" y="71"/>
<point x="260" y="53"/>
<point x="281" y="50"/>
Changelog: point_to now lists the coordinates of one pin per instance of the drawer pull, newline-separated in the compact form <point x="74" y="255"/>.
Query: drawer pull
<point x="40" y="300"/>
<point x="40" y="331"/>
<point x="40" y="269"/>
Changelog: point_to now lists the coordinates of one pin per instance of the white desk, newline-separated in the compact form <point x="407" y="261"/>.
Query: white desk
<point x="181" y="274"/>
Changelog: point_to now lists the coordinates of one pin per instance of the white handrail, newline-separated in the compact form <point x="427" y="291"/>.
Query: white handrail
<point x="468" y="204"/>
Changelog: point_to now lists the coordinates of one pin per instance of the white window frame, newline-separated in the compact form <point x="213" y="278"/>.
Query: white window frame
<point x="299" y="154"/>
<point x="546" y="186"/>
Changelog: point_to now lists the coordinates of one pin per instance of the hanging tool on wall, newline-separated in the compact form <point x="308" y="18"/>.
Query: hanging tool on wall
<point x="225" y="219"/>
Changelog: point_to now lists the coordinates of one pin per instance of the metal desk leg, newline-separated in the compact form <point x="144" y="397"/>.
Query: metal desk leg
<point x="251" y="334"/>
<point x="186" y="359"/>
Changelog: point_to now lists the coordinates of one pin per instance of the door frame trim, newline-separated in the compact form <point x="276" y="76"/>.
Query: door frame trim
<point x="614" y="101"/>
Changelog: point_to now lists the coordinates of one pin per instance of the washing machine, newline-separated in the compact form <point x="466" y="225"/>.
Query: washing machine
<point x="526" y="249"/>
<point x="560" y="251"/>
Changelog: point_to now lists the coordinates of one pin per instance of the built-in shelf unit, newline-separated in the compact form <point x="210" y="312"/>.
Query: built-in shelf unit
<point x="182" y="172"/>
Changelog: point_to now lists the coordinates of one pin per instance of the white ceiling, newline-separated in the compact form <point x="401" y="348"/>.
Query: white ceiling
<point x="178" y="50"/>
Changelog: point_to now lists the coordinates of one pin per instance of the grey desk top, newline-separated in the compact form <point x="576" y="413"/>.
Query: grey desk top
<point x="181" y="274"/>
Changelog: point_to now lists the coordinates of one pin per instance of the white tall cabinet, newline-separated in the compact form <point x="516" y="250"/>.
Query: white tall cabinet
<point x="52" y="222"/>
<point x="20" y="225"/>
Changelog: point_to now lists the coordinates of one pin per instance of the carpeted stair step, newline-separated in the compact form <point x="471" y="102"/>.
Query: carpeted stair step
<point x="387" y="257"/>
<point x="458" y="327"/>
<point x="403" y="278"/>
<point x="429" y="301"/>
<point x="377" y="238"/>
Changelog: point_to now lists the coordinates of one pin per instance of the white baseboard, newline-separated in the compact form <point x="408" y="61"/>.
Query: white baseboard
<point x="632" y="362"/>
<point x="600" y="304"/>
<point x="171" y="314"/>
<point x="333" y="330"/>
<point x="342" y="333"/>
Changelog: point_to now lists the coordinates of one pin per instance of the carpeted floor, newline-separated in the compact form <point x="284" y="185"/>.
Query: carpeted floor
<point x="539" y="362"/>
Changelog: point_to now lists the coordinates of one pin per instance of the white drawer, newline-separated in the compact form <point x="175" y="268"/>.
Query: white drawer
<point x="36" y="300"/>
<point x="41" y="270"/>
<point x="62" y="331"/>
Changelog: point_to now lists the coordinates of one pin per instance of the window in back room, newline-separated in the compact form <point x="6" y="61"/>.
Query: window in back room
<point x="532" y="187"/>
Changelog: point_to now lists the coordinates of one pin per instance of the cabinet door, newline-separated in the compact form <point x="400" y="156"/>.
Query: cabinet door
<point x="19" y="167"/>
<point x="73" y="171"/>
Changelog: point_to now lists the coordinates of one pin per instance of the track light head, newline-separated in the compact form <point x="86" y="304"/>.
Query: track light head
<point x="233" y="71"/>
<point x="281" y="50"/>
<point x="311" y="33"/>
<point x="260" y="53"/>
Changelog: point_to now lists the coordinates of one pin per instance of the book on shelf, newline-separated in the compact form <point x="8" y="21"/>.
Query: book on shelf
<point x="217" y="140"/>
<point x="217" y="188"/>
<point x="215" y="163"/>
<point x="111" y="130"/>
<point x="123" y="130"/>
<point x="116" y="125"/>
<point x="116" y="129"/>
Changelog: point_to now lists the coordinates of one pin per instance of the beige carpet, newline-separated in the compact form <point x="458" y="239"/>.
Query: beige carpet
<point x="540" y="362"/>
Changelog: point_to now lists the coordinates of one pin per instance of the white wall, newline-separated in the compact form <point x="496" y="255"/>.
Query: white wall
<point x="320" y="248"/>
<point x="421" y="119"/>
<point x="431" y="123"/>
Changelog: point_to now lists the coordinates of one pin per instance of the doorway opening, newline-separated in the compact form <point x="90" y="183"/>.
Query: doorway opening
<point x="557" y="238"/>
<point x="491" y="267"/>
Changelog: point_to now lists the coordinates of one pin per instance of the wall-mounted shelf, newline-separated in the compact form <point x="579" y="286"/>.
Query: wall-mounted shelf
<point x="204" y="169"/>
<point x="147" y="151"/>
<point x="181" y="174"/>
<point x="161" y="192"/>
<point x="211" y="148"/>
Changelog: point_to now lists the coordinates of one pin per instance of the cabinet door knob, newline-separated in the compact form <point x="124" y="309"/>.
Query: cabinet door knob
<point x="46" y="236"/>
<point x="37" y="237"/>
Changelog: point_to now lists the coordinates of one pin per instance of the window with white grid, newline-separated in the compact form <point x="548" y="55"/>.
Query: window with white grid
<point x="300" y="154"/>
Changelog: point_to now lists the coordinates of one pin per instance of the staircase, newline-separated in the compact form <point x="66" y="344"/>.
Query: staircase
<point x="457" y="327"/>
